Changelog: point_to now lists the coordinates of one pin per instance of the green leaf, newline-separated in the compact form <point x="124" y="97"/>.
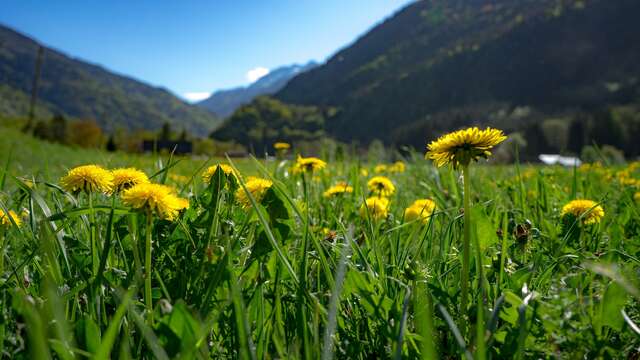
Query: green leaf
<point x="483" y="227"/>
<point x="88" y="333"/>
<point x="275" y="205"/>
<point x="216" y="184"/>
<point x="613" y="301"/>
<point x="182" y="323"/>
<point x="36" y="327"/>
<point x="510" y="313"/>
<point x="520" y="277"/>
<point x="261" y="246"/>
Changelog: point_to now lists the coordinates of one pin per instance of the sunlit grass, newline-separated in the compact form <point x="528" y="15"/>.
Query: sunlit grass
<point x="288" y="272"/>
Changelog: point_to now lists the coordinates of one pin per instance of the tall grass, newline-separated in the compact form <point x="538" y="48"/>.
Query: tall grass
<point x="298" y="275"/>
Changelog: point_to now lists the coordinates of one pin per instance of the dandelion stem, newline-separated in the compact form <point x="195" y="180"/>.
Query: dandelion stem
<point x="466" y="240"/>
<point x="1" y="252"/>
<point x="147" y="270"/>
<point x="94" y="256"/>
<point x="133" y="230"/>
<point x="92" y="237"/>
<point x="302" y="315"/>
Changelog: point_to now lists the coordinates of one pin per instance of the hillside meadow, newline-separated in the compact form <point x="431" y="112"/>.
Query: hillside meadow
<point x="28" y="157"/>
<point x="306" y="258"/>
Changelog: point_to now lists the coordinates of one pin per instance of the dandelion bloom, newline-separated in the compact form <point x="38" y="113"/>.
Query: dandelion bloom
<point x="527" y="174"/>
<point x="157" y="198"/>
<point x="88" y="178"/>
<point x="337" y="189"/>
<point x="589" y="210"/>
<point x="208" y="174"/>
<point x="125" y="178"/>
<point x="460" y="147"/>
<point x="636" y="196"/>
<point x="257" y="187"/>
<point x="587" y="167"/>
<point x="625" y="177"/>
<point x="420" y="209"/>
<point x="364" y="172"/>
<point x="380" y="168"/>
<point x="376" y="207"/>
<point x="629" y="182"/>
<point x="179" y="179"/>
<point x="309" y="164"/>
<point x="381" y="185"/>
<point x="397" y="167"/>
<point x="281" y="146"/>
<point x="6" y="220"/>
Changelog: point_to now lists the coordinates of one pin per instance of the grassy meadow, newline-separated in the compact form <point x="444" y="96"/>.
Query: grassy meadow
<point x="32" y="157"/>
<point x="283" y="268"/>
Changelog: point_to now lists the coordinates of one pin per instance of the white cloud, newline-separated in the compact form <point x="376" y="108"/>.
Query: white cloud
<point x="196" y="96"/>
<point x="256" y="73"/>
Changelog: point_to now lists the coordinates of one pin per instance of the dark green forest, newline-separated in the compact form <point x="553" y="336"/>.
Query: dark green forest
<point x="266" y="120"/>
<point x="563" y="74"/>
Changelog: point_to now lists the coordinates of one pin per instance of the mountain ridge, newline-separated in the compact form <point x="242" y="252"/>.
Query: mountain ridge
<point x="460" y="60"/>
<point x="224" y="102"/>
<point x="74" y="87"/>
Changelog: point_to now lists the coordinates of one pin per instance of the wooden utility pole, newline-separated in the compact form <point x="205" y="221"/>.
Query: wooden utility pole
<point x="34" y="89"/>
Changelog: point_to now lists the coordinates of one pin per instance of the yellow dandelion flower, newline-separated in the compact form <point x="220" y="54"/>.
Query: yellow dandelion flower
<point x="125" y="178"/>
<point x="281" y="146"/>
<point x="528" y="174"/>
<point x="630" y="182"/>
<point x="625" y="177"/>
<point x="397" y="167"/>
<point x="6" y="220"/>
<point x="309" y="164"/>
<point x="157" y="198"/>
<point x="338" y="189"/>
<point x="257" y="187"/>
<point x="590" y="211"/>
<point x="228" y="170"/>
<point x="88" y="178"/>
<point x="636" y="196"/>
<point x="364" y="172"/>
<point x="376" y="207"/>
<point x="460" y="147"/>
<point x="380" y="168"/>
<point x="381" y="185"/>
<point x="178" y="179"/>
<point x="587" y="167"/>
<point x="420" y="209"/>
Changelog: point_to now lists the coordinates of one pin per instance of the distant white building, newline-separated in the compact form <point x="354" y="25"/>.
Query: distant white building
<point x="555" y="159"/>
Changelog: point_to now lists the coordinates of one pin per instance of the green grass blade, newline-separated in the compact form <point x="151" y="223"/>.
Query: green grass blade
<point x="327" y="347"/>
<point x="109" y="337"/>
<point x="456" y="333"/>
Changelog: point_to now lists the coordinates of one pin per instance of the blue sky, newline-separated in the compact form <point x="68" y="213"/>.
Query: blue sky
<point x="193" y="46"/>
